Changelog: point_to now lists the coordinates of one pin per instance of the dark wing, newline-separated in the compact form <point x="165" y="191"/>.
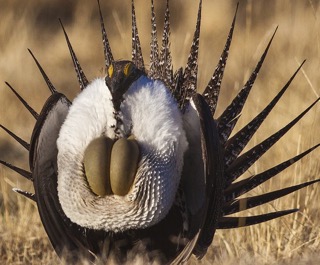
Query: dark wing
<point x="67" y="238"/>
<point x="203" y="221"/>
<point x="212" y="154"/>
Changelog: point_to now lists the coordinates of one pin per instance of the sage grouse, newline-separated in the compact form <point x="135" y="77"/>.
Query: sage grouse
<point x="137" y="161"/>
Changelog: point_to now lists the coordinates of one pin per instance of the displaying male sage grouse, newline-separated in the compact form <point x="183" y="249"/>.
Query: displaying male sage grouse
<point x="137" y="161"/>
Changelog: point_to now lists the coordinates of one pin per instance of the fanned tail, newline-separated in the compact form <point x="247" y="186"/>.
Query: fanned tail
<point x="234" y="163"/>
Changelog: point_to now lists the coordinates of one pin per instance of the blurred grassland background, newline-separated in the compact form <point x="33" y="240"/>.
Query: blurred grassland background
<point x="294" y="239"/>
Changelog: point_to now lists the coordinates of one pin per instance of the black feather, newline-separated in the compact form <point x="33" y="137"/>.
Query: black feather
<point x="31" y="110"/>
<point x="212" y="154"/>
<point x="26" y="194"/>
<point x="235" y="222"/>
<point x="165" y="60"/>
<point x="243" y="186"/>
<point x="227" y="119"/>
<point x="191" y="70"/>
<point x="108" y="57"/>
<point x="137" y="57"/>
<point x="238" y="142"/>
<point x="83" y="81"/>
<point x="250" y="202"/>
<point x="17" y="138"/>
<point x="243" y="162"/>
<point x="44" y="75"/>
<point x="20" y="171"/>
<point x="154" y="47"/>
<point x="211" y="92"/>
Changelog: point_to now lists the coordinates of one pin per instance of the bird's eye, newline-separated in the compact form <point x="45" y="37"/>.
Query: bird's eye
<point x="110" y="71"/>
<point x="127" y="69"/>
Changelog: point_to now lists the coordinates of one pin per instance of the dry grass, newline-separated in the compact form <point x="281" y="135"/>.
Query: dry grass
<point x="33" y="24"/>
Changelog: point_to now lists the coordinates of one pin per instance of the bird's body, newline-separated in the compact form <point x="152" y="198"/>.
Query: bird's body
<point x="138" y="162"/>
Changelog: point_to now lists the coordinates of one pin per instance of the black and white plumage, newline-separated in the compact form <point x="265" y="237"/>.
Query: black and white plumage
<point x="196" y="189"/>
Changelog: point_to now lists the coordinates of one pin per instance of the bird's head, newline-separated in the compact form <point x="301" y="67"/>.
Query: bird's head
<point x="120" y="76"/>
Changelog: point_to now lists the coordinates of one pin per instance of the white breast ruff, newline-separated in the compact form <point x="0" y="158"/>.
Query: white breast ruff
<point x="153" y="117"/>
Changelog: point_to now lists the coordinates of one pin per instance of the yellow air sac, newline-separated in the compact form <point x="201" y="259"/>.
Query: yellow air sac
<point x="124" y="163"/>
<point x="97" y="165"/>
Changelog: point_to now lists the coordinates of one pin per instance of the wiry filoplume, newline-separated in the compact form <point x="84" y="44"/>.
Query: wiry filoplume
<point x="139" y="160"/>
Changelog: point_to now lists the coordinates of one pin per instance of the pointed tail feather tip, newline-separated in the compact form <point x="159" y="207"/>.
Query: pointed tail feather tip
<point x="212" y="91"/>
<point x="236" y="222"/>
<point x="137" y="57"/>
<point x="250" y="202"/>
<point x="106" y="46"/>
<point x="243" y="162"/>
<point x="83" y="81"/>
<point x="44" y="75"/>
<point x="20" y="171"/>
<point x="243" y="186"/>
<point x="17" y="138"/>
<point x="190" y="75"/>
<point x="238" y="142"/>
<point x="225" y="122"/>
<point x="26" y="105"/>
<point x="26" y="194"/>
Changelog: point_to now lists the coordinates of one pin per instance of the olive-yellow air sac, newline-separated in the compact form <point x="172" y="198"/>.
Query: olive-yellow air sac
<point x="123" y="166"/>
<point x="97" y="165"/>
